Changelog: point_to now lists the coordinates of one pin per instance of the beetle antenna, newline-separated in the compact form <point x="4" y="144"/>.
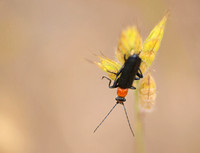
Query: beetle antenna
<point x="128" y="119"/>
<point x="105" y="117"/>
<point x="139" y="53"/>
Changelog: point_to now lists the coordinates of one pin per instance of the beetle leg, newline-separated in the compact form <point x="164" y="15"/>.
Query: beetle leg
<point x="113" y="86"/>
<point x="125" y="57"/>
<point x="120" y="70"/>
<point x="132" y="87"/>
<point x="116" y="78"/>
<point x="112" y="72"/>
<point x="118" y="73"/>
<point x="136" y="78"/>
<point x="115" y="81"/>
<point x="139" y="73"/>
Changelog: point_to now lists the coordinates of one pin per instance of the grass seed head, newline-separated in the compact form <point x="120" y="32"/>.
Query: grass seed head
<point x="147" y="93"/>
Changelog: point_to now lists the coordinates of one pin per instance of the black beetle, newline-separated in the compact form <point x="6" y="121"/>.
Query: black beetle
<point x="124" y="79"/>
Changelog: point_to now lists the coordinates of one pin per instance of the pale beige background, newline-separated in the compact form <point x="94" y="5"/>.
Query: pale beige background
<point x="51" y="98"/>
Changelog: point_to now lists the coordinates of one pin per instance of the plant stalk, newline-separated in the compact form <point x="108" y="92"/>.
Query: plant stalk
<point x="139" y="135"/>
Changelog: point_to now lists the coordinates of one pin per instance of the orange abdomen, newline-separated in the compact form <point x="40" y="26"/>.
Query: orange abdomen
<point x="122" y="92"/>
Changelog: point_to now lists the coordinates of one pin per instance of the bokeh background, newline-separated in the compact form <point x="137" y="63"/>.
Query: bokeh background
<point x="51" y="98"/>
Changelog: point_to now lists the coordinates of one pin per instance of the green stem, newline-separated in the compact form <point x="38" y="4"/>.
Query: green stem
<point x="140" y="146"/>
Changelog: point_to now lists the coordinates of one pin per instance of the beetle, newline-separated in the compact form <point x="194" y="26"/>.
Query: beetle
<point x="124" y="79"/>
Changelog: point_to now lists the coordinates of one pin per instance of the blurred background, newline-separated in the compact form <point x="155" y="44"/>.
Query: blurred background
<point x="51" y="98"/>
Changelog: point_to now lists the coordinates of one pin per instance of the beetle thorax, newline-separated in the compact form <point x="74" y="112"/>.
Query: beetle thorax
<point x="122" y="92"/>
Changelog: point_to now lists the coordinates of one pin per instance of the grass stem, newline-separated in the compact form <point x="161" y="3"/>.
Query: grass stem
<point x="139" y="135"/>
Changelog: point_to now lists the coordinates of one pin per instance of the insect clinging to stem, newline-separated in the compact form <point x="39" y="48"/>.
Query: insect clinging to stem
<point x="135" y="57"/>
<point x="124" y="79"/>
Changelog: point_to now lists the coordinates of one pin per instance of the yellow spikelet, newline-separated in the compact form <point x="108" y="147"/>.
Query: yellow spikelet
<point x="152" y="44"/>
<point x="130" y="42"/>
<point x="147" y="93"/>
<point x="108" y="66"/>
